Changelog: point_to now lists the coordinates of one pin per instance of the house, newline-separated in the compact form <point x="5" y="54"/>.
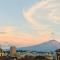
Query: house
<point x="2" y="52"/>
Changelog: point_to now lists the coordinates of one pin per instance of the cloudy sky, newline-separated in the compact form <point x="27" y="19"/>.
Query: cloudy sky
<point x="28" y="22"/>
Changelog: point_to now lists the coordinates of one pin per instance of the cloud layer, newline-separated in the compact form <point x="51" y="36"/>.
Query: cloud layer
<point x="52" y="15"/>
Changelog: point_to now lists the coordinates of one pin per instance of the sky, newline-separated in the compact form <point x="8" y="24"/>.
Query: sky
<point x="29" y="22"/>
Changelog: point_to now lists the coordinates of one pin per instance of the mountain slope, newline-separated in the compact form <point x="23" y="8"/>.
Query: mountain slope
<point x="51" y="45"/>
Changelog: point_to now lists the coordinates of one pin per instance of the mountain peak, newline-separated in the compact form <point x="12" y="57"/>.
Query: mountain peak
<point x="50" y="45"/>
<point x="53" y="41"/>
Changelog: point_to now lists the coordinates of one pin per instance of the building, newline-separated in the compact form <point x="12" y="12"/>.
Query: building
<point x="13" y="51"/>
<point x="49" y="57"/>
<point x="58" y="54"/>
<point x="2" y="52"/>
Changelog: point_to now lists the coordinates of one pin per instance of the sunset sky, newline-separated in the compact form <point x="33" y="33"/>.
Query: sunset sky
<point x="29" y="22"/>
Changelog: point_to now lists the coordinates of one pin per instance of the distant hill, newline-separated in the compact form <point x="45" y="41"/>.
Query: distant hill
<point x="50" y="45"/>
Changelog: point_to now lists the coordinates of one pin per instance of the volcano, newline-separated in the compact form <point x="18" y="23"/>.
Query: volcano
<point x="50" y="45"/>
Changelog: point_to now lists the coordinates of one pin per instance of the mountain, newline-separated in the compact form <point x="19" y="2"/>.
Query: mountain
<point x="51" y="45"/>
